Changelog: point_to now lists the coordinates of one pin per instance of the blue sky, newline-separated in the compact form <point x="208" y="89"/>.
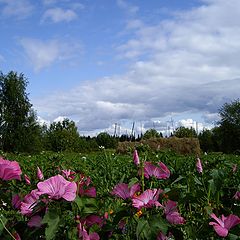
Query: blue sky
<point x="118" y="61"/>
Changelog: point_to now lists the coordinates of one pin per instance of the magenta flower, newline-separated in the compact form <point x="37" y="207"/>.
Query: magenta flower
<point x="162" y="236"/>
<point x="29" y="202"/>
<point x="9" y="170"/>
<point x="147" y="199"/>
<point x="27" y="179"/>
<point x="161" y="172"/>
<point x="83" y="234"/>
<point x="84" y="189"/>
<point x="172" y="214"/>
<point x="58" y="187"/>
<point x="68" y="174"/>
<point x="123" y="191"/>
<point x="237" y="195"/>
<point x="16" y="236"/>
<point x="16" y="201"/>
<point x="93" y="219"/>
<point x="199" y="165"/>
<point x="39" y="174"/>
<point x="224" y="224"/>
<point x="35" y="221"/>
<point x="136" y="158"/>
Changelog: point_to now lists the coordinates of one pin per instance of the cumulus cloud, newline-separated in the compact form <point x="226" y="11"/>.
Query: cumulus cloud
<point x="187" y="64"/>
<point x="19" y="9"/>
<point x="42" y="54"/>
<point x="57" y="15"/>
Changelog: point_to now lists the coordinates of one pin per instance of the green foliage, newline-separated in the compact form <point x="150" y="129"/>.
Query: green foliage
<point x="18" y="127"/>
<point x="183" y="132"/>
<point x="63" y="136"/>
<point x="106" y="140"/>
<point x="151" y="133"/>
<point x="229" y="126"/>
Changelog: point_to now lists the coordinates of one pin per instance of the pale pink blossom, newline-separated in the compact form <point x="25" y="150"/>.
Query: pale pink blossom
<point x="39" y="174"/>
<point x="147" y="199"/>
<point x="27" y="179"/>
<point x="69" y="174"/>
<point x="9" y="170"/>
<point x="136" y="158"/>
<point x="237" y="195"/>
<point x="58" y="187"/>
<point x="234" y="168"/>
<point x="161" y="172"/>
<point x="83" y="234"/>
<point x="224" y="224"/>
<point x="199" y="165"/>
<point x="123" y="191"/>
<point x="29" y="202"/>
<point x="172" y="214"/>
<point x="16" y="201"/>
<point x="35" y="221"/>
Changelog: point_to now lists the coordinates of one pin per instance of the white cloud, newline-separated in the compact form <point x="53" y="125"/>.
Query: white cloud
<point x="16" y="8"/>
<point x="57" y="15"/>
<point x="187" y="64"/>
<point x="129" y="8"/>
<point x="42" y="54"/>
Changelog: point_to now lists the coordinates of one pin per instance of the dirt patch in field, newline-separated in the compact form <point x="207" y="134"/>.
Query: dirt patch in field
<point x="179" y="145"/>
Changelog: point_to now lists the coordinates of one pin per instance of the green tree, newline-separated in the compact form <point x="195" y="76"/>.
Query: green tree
<point x="229" y="126"/>
<point x="182" y="132"/>
<point x="63" y="136"/>
<point x="19" y="129"/>
<point x="151" y="133"/>
<point x="106" y="140"/>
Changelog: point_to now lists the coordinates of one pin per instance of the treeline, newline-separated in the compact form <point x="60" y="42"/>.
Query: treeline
<point x="21" y="132"/>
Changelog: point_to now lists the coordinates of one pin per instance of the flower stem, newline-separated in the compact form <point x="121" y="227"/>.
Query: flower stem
<point x="4" y="226"/>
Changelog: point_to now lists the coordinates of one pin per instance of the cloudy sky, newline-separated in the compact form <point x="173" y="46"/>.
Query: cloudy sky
<point x="122" y="61"/>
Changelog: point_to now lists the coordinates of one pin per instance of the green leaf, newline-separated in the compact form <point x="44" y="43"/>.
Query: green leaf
<point x="3" y="222"/>
<point x="157" y="224"/>
<point x="86" y="205"/>
<point x="52" y="219"/>
<point x="143" y="230"/>
<point x="178" y="179"/>
<point x="133" y="181"/>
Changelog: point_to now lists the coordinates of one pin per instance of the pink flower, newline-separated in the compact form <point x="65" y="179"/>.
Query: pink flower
<point x="9" y="170"/>
<point x="84" y="189"/>
<point x="161" y="172"/>
<point x="68" y="174"/>
<point x="39" y="174"/>
<point x="199" y="165"/>
<point x="162" y="236"/>
<point x="147" y="199"/>
<point x="83" y="234"/>
<point x="237" y="195"/>
<point x="172" y="214"/>
<point x="16" y="235"/>
<point x="136" y="158"/>
<point x="234" y="168"/>
<point x="29" y="202"/>
<point x="93" y="219"/>
<point x="123" y="191"/>
<point x="58" y="187"/>
<point x="224" y="224"/>
<point x="27" y="179"/>
<point x="16" y="201"/>
<point x="35" y="221"/>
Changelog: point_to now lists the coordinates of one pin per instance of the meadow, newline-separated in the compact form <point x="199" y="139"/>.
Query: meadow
<point x="105" y="195"/>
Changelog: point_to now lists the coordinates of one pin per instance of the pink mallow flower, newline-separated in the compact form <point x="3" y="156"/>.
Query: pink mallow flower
<point x="162" y="236"/>
<point x="39" y="174"/>
<point x="237" y="195"/>
<point x="29" y="202"/>
<point x="172" y="214"/>
<point x="16" y="201"/>
<point x="58" y="187"/>
<point x="224" y="224"/>
<point x="199" y="165"/>
<point x="35" y="221"/>
<point x="27" y="179"/>
<point x="69" y="174"/>
<point x="123" y="191"/>
<point x="136" y="158"/>
<point x="83" y="234"/>
<point x="161" y="172"/>
<point x="147" y="199"/>
<point x="9" y="170"/>
<point x="84" y="189"/>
